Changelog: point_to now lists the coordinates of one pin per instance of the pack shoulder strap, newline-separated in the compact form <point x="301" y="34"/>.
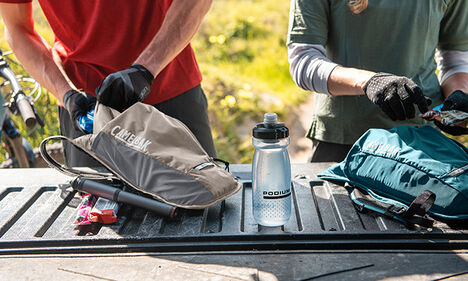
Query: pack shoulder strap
<point x="414" y="214"/>
<point x="68" y="170"/>
<point x="421" y="204"/>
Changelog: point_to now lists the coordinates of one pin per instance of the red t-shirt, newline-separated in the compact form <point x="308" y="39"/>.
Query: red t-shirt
<point x="98" y="37"/>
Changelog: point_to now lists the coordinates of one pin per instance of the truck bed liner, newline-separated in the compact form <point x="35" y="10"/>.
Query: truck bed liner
<point x="38" y="208"/>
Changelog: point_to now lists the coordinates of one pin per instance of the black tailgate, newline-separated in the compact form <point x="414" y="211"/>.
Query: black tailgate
<point x="38" y="208"/>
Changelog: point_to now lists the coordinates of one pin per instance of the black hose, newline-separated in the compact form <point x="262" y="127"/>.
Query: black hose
<point x="117" y="195"/>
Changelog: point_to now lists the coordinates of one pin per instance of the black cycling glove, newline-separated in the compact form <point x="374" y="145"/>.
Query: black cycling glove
<point x="122" y="89"/>
<point x="78" y="104"/>
<point x="457" y="100"/>
<point x="396" y="95"/>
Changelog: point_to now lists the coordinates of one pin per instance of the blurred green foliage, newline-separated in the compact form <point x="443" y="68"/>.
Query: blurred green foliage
<point x="46" y="105"/>
<point x="241" y="51"/>
<point x="242" y="54"/>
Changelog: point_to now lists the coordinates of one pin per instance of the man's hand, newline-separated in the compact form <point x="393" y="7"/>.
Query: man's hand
<point x="457" y="100"/>
<point x="395" y="95"/>
<point x="122" y="89"/>
<point x="78" y="104"/>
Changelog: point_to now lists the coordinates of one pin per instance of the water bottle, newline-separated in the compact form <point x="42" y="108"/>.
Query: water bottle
<point x="86" y="121"/>
<point x="271" y="173"/>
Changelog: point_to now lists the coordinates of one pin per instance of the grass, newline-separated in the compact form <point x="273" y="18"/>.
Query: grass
<point x="46" y="105"/>
<point x="241" y="51"/>
<point x="242" y="54"/>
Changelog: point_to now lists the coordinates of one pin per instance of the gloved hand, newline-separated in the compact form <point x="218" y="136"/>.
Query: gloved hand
<point x="395" y="95"/>
<point x="122" y="89"/>
<point x="78" y="104"/>
<point x="457" y="100"/>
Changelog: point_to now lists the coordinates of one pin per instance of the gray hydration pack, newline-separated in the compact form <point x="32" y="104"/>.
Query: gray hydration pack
<point x="153" y="153"/>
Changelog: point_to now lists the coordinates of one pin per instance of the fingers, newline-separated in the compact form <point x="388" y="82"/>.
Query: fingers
<point x="90" y="97"/>
<point x="396" y="106"/>
<point x="91" y="101"/>
<point x="458" y="100"/>
<point x="397" y="99"/>
<point x="409" y="110"/>
<point x="453" y="130"/>
<point x="114" y="96"/>
<point x="417" y="97"/>
<point x="386" y="105"/>
<point x="428" y="101"/>
<point x="118" y="90"/>
<point x="396" y="96"/>
<point x="400" y="99"/>
<point x="406" y="102"/>
<point x="447" y="105"/>
<point x="101" y="92"/>
<point x="105" y="91"/>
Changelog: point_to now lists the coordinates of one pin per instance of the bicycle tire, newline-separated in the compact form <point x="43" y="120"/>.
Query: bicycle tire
<point x="18" y="150"/>
<point x="55" y="150"/>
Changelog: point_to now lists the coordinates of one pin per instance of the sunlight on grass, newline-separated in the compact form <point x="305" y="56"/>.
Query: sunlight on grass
<point x="242" y="54"/>
<point x="241" y="49"/>
<point x="246" y="71"/>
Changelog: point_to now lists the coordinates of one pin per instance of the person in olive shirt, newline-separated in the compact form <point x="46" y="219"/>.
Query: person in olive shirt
<point x="371" y="64"/>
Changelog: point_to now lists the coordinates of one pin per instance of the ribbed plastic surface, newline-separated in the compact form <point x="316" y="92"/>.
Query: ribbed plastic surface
<point x="38" y="208"/>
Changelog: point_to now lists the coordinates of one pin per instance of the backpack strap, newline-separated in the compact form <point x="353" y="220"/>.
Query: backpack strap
<point x="418" y="209"/>
<point x="226" y="163"/>
<point x="414" y="214"/>
<point x="68" y="170"/>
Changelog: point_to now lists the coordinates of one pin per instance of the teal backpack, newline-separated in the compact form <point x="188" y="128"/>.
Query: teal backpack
<point x="405" y="173"/>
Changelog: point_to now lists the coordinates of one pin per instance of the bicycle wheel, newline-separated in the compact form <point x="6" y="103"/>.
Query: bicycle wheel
<point x="55" y="150"/>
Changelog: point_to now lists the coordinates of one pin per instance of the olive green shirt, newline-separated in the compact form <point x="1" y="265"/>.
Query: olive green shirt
<point x="393" y="36"/>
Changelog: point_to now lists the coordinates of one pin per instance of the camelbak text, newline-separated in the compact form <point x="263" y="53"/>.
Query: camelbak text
<point x="276" y="194"/>
<point x="381" y="148"/>
<point x="130" y="138"/>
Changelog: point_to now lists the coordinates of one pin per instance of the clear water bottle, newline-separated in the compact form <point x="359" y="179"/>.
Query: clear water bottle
<point x="86" y="121"/>
<point x="271" y="173"/>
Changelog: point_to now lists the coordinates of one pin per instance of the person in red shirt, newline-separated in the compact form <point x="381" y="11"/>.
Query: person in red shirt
<point x="118" y="50"/>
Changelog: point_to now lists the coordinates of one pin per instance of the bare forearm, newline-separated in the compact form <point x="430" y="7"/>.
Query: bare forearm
<point x="348" y="81"/>
<point x="37" y="59"/>
<point x="457" y="81"/>
<point x="181" y="22"/>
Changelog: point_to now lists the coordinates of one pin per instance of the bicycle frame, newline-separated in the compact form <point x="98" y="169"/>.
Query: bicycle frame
<point x="21" y="104"/>
<point x="3" y="111"/>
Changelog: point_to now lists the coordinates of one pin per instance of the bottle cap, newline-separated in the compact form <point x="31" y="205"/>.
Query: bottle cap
<point x="270" y="118"/>
<point x="270" y="128"/>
